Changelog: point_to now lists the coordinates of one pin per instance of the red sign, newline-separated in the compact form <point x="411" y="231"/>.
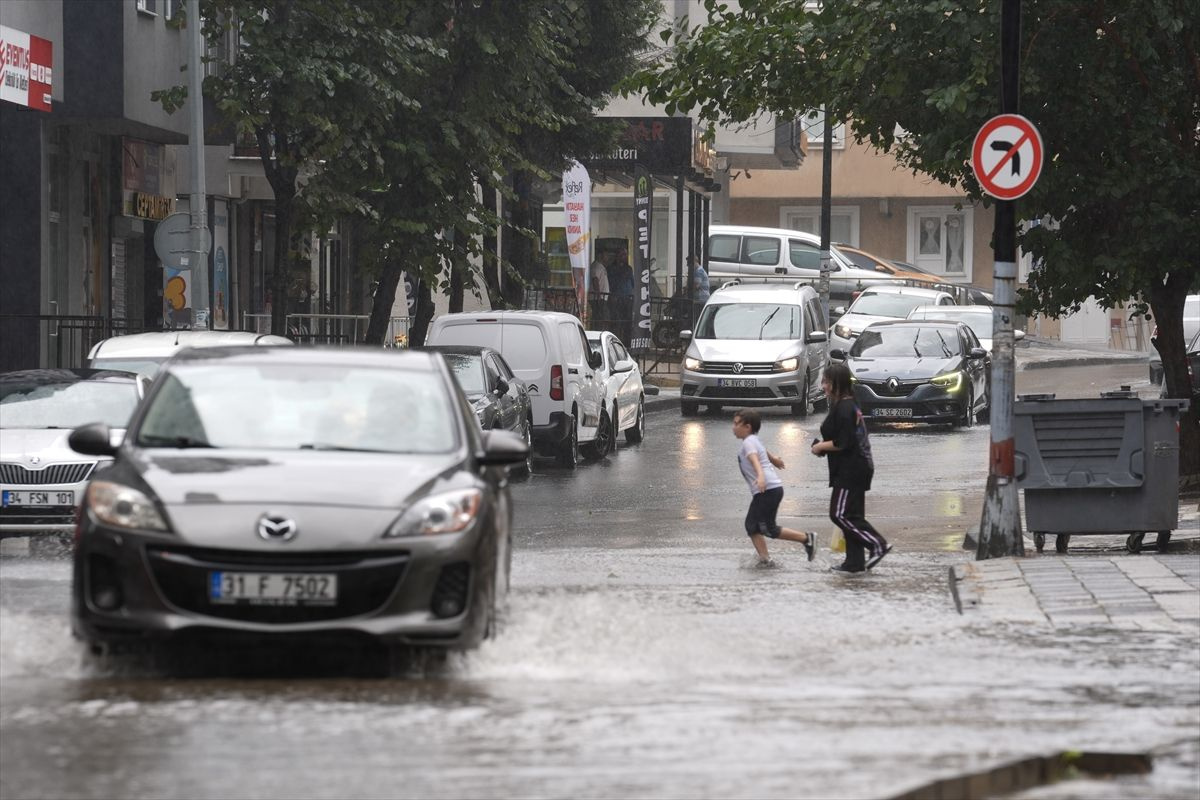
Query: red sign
<point x="26" y="69"/>
<point x="1007" y="156"/>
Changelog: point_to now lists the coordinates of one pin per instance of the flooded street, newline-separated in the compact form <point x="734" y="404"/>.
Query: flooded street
<point x="643" y="655"/>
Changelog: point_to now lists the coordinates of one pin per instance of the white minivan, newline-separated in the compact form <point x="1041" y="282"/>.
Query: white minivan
<point x="548" y="351"/>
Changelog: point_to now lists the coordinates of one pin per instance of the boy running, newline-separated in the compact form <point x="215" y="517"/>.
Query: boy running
<point x="766" y="489"/>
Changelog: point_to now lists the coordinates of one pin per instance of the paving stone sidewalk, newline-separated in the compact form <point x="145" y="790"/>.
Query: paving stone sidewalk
<point x="1128" y="592"/>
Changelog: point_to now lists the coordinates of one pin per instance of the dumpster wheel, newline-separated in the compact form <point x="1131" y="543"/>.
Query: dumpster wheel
<point x="1134" y="543"/>
<point x="1039" y="541"/>
<point x="1061" y="542"/>
<point x="1164" y="541"/>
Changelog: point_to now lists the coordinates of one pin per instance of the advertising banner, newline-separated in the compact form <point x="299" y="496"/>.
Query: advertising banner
<point x="177" y="299"/>
<point x="577" y="205"/>
<point x="26" y="69"/>
<point x="220" y="265"/>
<point x="643" y="213"/>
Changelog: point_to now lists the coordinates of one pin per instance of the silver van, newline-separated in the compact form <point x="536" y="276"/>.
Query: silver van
<point x="739" y="251"/>
<point x="756" y="343"/>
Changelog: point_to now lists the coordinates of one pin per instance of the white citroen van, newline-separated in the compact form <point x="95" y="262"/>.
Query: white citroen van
<point x="548" y="351"/>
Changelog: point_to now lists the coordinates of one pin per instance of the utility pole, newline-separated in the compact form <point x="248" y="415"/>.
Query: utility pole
<point x="198" y="199"/>
<point x="826" y="212"/>
<point x="1000" y="524"/>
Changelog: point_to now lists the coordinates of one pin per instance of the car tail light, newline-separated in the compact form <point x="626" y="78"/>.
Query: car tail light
<point x="854" y="296"/>
<point x="556" y="382"/>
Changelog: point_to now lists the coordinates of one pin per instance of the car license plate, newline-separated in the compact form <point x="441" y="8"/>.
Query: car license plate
<point x="738" y="383"/>
<point x="26" y="498"/>
<point x="892" y="412"/>
<point x="275" y="589"/>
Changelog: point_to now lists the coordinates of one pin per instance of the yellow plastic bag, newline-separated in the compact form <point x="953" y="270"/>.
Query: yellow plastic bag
<point x="839" y="544"/>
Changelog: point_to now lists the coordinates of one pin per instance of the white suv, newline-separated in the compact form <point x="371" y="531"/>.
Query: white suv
<point x="548" y="351"/>
<point x="144" y="353"/>
<point x="879" y="303"/>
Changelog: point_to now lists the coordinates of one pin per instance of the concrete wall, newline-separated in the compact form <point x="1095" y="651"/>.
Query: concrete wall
<point x="154" y="52"/>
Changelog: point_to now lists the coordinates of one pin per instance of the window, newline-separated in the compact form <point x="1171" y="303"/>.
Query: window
<point x="723" y="247"/>
<point x="804" y="255"/>
<point x="762" y="250"/>
<point x="843" y="222"/>
<point x="940" y="240"/>
<point x="814" y="126"/>
<point x="148" y="7"/>
<point x="172" y="9"/>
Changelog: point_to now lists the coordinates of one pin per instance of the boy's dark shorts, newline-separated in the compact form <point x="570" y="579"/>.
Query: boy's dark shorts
<point x="761" y="516"/>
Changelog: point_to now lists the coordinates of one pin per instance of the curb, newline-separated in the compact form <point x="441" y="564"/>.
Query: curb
<point x="1081" y="361"/>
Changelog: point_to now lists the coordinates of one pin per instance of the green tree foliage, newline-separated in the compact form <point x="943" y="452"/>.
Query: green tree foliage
<point x="1114" y="88"/>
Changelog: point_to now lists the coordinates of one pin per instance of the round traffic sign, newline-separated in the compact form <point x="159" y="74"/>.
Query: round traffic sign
<point x="1007" y="156"/>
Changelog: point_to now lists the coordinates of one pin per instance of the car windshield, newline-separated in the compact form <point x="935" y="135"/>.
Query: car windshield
<point x="979" y="321"/>
<point x="66" y="404"/>
<point x="300" y="407"/>
<point x="887" y="305"/>
<point x="468" y="371"/>
<point x="749" y="321"/>
<point x="907" y="341"/>
<point x="142" y="366"/>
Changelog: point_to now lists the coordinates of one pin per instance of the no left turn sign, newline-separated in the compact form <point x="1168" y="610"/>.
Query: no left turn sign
<point x="1007" y="156"/>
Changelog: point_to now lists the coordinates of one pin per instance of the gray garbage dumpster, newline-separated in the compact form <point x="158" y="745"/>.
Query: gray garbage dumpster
<point x="1105" y="465"/>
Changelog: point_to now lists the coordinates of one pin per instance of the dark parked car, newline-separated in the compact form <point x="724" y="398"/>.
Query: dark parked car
<point x="920" y="371"/>
<point x="295" y="494"/>
<point x="500" y="399"/>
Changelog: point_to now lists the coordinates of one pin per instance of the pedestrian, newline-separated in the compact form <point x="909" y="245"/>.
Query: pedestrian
<point x="700" y="287"/>
<point x="844" y="440"/>
<point x="758" y="467"/>
<point x="620" y="298"/>
<point x="599" y="271"/>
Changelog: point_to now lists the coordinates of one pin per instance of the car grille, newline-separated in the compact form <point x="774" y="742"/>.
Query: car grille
<point x="37" y="515"/>
<point x="903" y="388"/>
<point x="20" y="475"/>
<point x="365" y="581"/>
<point x="760" y="392"/>
<point x="727" y="367"/>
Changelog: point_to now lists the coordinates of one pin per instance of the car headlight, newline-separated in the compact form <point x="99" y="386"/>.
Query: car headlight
<point x="123" y="506"/>
<point x="787" y="365"/>
<point x="843" y="331"/>
<point x="951" y="381"/>
<point x="449" y="512"/>
<point x="693" y="364"/>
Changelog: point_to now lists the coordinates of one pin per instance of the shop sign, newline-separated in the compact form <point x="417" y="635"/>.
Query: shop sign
<point x="26" y="69"/>
<point x="643" y="215"/>
<point x="152" y="206"/>
<point x="663" y="145"/>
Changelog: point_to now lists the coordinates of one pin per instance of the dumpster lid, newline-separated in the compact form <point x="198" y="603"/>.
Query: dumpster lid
<point x="1033" y="398"/>
<point x="1124" y="392"/>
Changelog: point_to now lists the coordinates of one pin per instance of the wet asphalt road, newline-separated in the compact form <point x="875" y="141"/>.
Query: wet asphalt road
<point x="643" y="655"/>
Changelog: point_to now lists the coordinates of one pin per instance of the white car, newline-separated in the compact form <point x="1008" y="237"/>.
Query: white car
<point x="977" y="318"/>
<point x="624" y="394"/>
<point x="143" y="353"/>
<point x="879" y="303"/>
<point x="41" y="477"/>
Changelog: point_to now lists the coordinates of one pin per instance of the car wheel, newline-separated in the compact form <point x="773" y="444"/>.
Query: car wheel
<point x="638" y="432"/>
<point x="985" y="414"/>
<point x="598" y="448"/>
<point x="527" y="435"/>
<point x="967" y="418"/>
<point x="687" y="409"/>
<point x="568" y="450"/>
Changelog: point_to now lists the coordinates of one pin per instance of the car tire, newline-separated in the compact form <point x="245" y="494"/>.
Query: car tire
<point x="687" y="409"/>
<point x="638" y="432"/>
<point x="967" y="418"/>
<point x="599" y="446"/>
<point x="527" y="435"/>
<point x="568" y="450"/>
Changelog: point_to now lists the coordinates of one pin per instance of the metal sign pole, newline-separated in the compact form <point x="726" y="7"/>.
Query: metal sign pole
<point x="826" y="212"/>
<point x="198" y="202"/>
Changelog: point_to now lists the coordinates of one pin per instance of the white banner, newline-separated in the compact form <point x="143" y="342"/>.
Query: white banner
<point x="577" y="205"/>
<point x="26" y="72"/>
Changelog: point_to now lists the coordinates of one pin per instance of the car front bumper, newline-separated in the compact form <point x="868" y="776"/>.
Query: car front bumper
<point x="925" y="403"/>
<point x="768" y="389"/>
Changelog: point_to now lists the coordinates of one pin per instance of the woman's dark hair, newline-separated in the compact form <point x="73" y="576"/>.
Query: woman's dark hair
<point x="838" y="376"/>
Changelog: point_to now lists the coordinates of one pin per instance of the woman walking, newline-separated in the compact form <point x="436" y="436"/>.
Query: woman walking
<point x="844" y="440"/>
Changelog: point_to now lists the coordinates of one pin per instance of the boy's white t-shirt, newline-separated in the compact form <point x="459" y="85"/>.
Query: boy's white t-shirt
<point x="752" y="447"/>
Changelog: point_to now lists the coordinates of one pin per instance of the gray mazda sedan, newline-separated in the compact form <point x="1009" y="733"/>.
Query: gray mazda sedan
<point x="278" y="495"/>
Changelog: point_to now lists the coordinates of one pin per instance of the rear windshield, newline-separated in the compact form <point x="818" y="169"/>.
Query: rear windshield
<point x="467" y="370"/>
<point x="66" y="405"/>
<point x="142" y="366"/>
<point x="749" y="321"/>
<point x="887" y="305"/>
<point x="484" y="334"/>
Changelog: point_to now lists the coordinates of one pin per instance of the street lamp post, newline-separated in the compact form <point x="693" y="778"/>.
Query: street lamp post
<point x="198" y="199"/>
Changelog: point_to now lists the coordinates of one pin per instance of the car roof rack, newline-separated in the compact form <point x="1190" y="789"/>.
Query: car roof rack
<point x="771" y="279"/>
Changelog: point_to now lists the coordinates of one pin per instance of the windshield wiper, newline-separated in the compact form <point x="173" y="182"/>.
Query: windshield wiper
<point x="765" y="321"/>
<point x="182" y="442"/>
<point x="916" y="349"/>
<point x="339" y="448"/>
<point x="945" y="347"/>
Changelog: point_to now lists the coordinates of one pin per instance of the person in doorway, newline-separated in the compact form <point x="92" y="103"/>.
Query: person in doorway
<point x="759" y="467"/>
<point x="599" y="290"/>
<point x="845" y="442"/>
<point x="620" y="299"/>
<point x="700" y="287"/>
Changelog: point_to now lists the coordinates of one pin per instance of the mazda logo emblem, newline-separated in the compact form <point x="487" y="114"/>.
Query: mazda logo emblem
<point x="275" y="528"/>
<point x="893" y="384"/>
<point x="738" y="368"/>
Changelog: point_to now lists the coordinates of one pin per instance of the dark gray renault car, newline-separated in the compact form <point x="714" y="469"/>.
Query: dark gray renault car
<point x="284" y="494"/>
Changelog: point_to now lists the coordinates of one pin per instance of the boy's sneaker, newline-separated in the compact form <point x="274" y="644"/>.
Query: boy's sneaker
<point x="765" y="563"/>
<point x="810" y="544"/>
<point x="875" y="559"/>
<point x="844" y="568"/>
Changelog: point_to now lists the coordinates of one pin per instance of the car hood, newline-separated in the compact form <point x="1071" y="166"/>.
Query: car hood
<point x="746" y="350"/>
<point x="902" y="368"/>
<point x="299" y="478"/>
<point x="49" y="445"/>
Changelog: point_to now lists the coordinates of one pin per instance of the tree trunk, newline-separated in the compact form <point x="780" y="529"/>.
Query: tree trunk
<point x="518" y="249"/>
<point x="491" y="257"/>
<point x="384" y="299"/>
<point x="422" y="316"/>
<point x="1166" y="303"/>
<point x="281" y="277"/>
<point x="456" y="278"/>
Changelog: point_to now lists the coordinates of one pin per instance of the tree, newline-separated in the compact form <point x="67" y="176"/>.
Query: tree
<point x="1114" y="89"/>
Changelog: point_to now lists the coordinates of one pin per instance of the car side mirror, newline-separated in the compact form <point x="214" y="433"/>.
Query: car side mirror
<point x="95" y="439"/>
<point x="595" y="360"/>
<point x="839" y="310"/>
<point x="685" y="334"/>
<point x="501" y="386"/>
<point x="501" y="448"/>
<point x="977" y="352"/>
<point x="837" y="354"/>
<point x="1018" y="335"/>
<point x="624" y="365"/>
<point x="816" y="336"/>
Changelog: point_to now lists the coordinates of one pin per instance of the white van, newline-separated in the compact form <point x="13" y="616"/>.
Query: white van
<point x="756" y="343"/>
<point x="548" y="351"/>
